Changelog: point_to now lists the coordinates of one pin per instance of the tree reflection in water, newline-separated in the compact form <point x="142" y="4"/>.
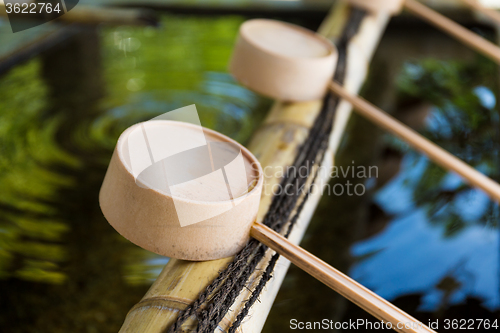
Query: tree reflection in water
<point x="426" y="241"/>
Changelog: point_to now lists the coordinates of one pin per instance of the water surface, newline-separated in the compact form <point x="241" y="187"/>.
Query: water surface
<point x="420" y="237"/>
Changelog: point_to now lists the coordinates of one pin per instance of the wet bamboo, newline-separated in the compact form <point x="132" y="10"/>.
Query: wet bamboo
<point x="414" y="139"/>
<point x="462" y="34"/>
<point x="490" y="13"/>
<point x="360" y="50"/>
<point x="275" y="144"/>
<point x="341" y="283"/>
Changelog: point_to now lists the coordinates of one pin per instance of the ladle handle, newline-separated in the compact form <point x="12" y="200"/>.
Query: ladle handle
<point x="341" y="283"/>
<point x="417" y="141"/>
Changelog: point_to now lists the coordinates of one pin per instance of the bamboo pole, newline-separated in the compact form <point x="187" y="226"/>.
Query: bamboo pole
<point x="275" y="144"/>
<point x="360" y="50"/>
<point x="490" y="13"/>
<point x="344" y="285"/>
<point x="94" y="15"/>
<point x="462" y="34"/>
<point x="111" y="16"/>
<point x="414" y="139"/>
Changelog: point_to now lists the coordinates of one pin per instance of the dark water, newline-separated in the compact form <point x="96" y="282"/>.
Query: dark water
<point x="419" y="237"/>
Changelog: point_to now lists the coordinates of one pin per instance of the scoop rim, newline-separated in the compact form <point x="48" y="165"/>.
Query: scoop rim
<point x="245" y="152"/>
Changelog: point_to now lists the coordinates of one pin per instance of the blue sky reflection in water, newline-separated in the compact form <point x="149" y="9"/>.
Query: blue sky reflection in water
<point x="423" y="243"/>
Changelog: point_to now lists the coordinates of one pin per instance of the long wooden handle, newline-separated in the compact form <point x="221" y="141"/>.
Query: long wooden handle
<point x="492" y="14"/>
<point x="341" y="283"/>
<point x="433" y="151"/>
<point x="464" y="35"/>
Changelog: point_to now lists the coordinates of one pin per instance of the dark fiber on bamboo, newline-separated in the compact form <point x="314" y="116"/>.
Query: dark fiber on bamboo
<point x="214" y="302"/>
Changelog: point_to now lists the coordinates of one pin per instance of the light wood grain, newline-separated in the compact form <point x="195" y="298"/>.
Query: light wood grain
<point x="341" y="283"/>
<point x="414" y="139"/>
<point x="462" y="34"/>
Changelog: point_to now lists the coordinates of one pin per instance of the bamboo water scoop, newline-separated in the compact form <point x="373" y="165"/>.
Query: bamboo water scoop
<point x="464" y="35"/>
<point x="417" y="141"/>
<point x="196" y="198"/>
<point x="283" y="60"/>
<point x="480" y="8"/>
<point x="282" y="79"/>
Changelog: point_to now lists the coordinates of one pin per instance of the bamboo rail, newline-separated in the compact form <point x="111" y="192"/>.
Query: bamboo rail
<point x="275" y="145"/>
<point x="95" y="15"/>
